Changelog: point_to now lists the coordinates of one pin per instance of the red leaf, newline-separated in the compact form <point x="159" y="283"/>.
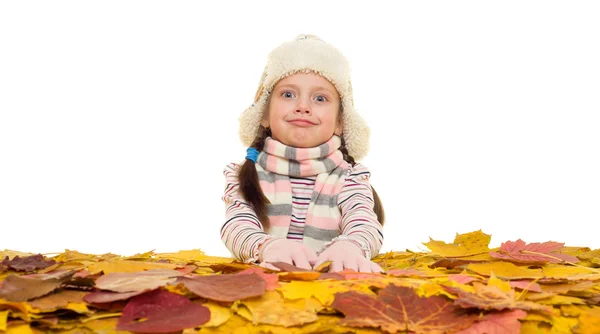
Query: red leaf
<point x="525" y="285"/>
<point x="401" y="309"/>
<point x="102" y="297"/>
<point x="462" y="279"/>
<point x="518" y="251"/>
<point x="226" y="288"/>
<point x="27" y="263"/>
<point x="164" y="311"/>
<point x="498" y="323"/>
<point x="271" y="279"/>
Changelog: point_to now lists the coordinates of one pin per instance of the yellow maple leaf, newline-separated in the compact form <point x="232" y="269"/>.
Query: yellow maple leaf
<point x="505" y="270"/>
<point x="323" y="291"/>
<point x="126" y="266"/>
<point x="570" y="272"/>
<point x="270" y="308"/>
<point x="3" y="320"/>
<point x="561" y="300"/>
<point x="500" y="284"/>
<point x="19" y="329"/>
<point x="467" y="244"/>
<point x="218" y="314"/>
<point x="193" y="255"/>
<point x="589" y="321"/>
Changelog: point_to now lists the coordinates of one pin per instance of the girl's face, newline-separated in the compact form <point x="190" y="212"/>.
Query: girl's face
<point x="303" y="111"/>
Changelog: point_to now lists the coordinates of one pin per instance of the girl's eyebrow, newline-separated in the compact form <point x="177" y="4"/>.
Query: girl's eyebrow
<point x="315" y="87"/>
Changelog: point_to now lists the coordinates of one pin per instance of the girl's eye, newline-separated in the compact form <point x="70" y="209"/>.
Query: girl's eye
<point x="288" y="94"/>
<point x="323" y="98"/>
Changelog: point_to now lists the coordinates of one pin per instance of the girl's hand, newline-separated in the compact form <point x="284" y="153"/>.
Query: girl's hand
<point x="346" y="255"/>
<point x="288" y="251"/>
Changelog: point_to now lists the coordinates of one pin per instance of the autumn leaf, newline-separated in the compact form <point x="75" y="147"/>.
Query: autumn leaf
<point x="464" y="245"/>
<point x="401" y="309"/>
<point x="163" y="311"/>
<point x="101" y="297"/>
<point x="526" y="285"/>
<point x="138" y="281"/>
<point x="490" y="297"/>
<point x="451" y="263"/>
<point x="505" y="270"/>
<point x="519" y="251"/>
<point x="462" y="279"/>
<point x="323" y="291"/>
<point x="27" y="263"/>
<point x="497" y="322"/>
<point x="57" y="300"/>
<point x="19" y="288"/>
<point x="126" y="266"/>
<point x="270" y="308"/>
<point x="226" y="288"/>
<point x="283" y="266"/>
<point x="272" y="280"/>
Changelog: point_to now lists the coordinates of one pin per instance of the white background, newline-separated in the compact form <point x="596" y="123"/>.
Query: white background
<point x="117" y="117"/>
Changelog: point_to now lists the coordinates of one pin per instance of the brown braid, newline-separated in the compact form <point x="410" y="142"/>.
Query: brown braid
<point x="249" y="185"/>
<point x="378" y="207"/>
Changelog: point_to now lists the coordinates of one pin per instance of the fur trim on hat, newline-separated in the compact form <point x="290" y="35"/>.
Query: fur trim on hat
<point x="308" y="53"/>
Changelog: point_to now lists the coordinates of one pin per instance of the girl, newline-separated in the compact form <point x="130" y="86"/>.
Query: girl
<point x="300" y="197"/>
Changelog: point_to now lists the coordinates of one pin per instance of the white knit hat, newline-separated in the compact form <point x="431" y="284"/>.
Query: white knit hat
<point x="308" y="53"/>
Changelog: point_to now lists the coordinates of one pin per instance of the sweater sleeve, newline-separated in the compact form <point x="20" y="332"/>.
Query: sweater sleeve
<point x="359" y="221"/>
<point x="241" y="232"/>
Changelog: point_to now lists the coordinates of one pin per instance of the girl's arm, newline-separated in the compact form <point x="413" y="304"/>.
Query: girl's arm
<point x="359" y="221"/>
<point x="242" y="232"/>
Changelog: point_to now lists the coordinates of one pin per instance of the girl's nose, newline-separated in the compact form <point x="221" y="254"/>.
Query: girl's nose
<point x="302" y="107"/>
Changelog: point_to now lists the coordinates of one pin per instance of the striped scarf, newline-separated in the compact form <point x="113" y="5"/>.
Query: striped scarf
<point x="277" y="162"/>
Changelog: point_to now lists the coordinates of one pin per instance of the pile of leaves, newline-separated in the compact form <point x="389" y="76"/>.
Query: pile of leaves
<point x="459" y="287"/>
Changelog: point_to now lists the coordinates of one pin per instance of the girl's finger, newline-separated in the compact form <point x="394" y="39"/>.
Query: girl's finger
<point x="375" y="267"/>
<point x="336" y="265"/>
<point x="350" y="263"/>
<point x="364" y="265"/>
<point x="311" y="256"/>
<point x="300" y="260"/>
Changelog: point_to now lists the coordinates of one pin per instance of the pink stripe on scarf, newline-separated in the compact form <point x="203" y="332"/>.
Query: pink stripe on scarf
<point x="325" y="223"/>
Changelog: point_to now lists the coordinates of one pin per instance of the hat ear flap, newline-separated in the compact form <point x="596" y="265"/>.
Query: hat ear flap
<point x="356" y="134"/>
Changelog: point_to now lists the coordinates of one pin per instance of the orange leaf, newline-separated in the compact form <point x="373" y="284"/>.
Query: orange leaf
<point x="401" y="309"/>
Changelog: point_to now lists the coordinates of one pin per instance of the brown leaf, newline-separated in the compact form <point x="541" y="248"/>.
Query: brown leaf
<point x="519" y="251"/>
<point x="163" y="312"/>
<point x="226" y="288"/>
<point x="287" y="267"/>
<point x="401" y="309"/>
<point x="57" y="300"/>
<point x="492" y="298"/>
<point x="498" y="322"/>
<point x="19" y="288"/>
<point x="27" y="263"/>
<point x="138" y="281"/>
